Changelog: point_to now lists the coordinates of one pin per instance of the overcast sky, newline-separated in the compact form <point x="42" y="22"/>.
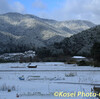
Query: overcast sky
<point x="55" y="9"/>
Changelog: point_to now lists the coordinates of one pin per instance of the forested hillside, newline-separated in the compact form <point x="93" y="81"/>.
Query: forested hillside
<point x="20" y="32"/>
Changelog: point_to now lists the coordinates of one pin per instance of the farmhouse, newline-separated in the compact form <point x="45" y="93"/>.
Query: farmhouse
<point x="79" y="58"/>
<point x="17" y="56"/>
<point x="29" y="53"/>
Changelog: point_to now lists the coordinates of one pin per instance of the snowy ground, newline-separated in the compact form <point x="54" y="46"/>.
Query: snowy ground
<point x="51" y="77"/>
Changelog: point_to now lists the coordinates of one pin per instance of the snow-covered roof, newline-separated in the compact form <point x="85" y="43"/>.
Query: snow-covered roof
<point x="78" y="57"/>
<point x="30" y="51"/>
<point x="15" y="54"/>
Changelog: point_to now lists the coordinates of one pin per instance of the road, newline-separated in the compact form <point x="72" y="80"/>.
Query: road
<point x="49" y="70"/>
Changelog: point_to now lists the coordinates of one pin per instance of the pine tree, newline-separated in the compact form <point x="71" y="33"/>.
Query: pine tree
<point x="96" y="54"/>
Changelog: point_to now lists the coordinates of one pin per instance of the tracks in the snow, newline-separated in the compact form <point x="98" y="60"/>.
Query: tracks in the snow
<point x="93" y="84"/>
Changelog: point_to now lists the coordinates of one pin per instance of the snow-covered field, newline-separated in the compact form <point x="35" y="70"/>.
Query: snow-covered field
<point x="42" y="82"/>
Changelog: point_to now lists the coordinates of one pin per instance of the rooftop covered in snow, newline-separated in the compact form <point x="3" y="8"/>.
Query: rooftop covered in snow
<point x="78" y="57"/>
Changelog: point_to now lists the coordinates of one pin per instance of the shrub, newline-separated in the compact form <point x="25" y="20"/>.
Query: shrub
<point x="72" y="61"/>
<point x="84" y="63"/>
<point x="96" y="64"/>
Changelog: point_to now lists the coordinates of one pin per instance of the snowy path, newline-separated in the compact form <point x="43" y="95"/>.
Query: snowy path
<point x="49" y="70"/>
<point x="78" y="83"/>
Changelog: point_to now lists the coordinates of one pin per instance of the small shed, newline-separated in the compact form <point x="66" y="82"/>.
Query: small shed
<point x="79" y="58"/>
<point x="31" y="65"/>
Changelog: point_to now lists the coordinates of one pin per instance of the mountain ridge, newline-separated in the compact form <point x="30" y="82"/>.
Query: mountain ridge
<point x="32" y="31"/>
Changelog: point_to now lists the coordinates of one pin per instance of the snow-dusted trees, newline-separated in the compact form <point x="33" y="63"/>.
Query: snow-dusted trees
<point x="96" y="54"/>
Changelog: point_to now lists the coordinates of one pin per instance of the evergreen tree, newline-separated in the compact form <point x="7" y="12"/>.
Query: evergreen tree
<point x="96" y="54"/>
